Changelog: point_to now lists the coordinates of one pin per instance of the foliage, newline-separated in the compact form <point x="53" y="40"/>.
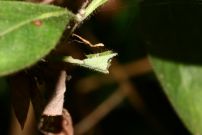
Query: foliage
<point x="28" y="32"/>
<point x="43" y="24"/>
<point x="27" y="37"/>
<point x="98" y="62"/>
<point x="173" y="35"/>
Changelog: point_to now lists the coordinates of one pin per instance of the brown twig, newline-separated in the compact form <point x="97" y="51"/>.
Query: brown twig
<point x="133" y="69"/>
<point x="47" y="1"/>
<point x="99" y="113"/>
<point x="126" y="90"/>
<point x="79" y="16"/>
<point x="86" y="42"/>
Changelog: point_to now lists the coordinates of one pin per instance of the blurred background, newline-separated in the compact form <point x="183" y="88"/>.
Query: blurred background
<point x="128" y="101"/>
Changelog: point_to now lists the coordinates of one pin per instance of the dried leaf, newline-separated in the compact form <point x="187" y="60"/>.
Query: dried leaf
<point x="20" y="86"/>
<point x="37" y="101"/>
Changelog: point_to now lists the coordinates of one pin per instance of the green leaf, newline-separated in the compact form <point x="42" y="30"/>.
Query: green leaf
<point x="93" y="6"/>
<point x="173" y="37"/>
<point x="28" y="32"/>
<point x="183" y="86"/>
<point x="98" y="62"/>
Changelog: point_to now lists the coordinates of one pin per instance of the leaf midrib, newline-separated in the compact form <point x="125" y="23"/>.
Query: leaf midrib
<point x="41" y="17"/>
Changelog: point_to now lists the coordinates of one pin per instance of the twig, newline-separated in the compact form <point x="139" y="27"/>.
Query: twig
<point x="56" y="120"/>
<point x="55" y="106"/>
<point x="86" y="42"/>
<point x="81" y="12"/>
<point x="100" y="112"/>
<point x="86" y="9"/>
<point x="133" y="69"/>
<point x="118" y="74"/>
<point x="126" y="89"/>
<point x="47" y="1"/>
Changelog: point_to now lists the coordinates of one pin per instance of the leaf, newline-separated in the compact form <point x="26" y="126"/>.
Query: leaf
<point x="173" y="36"/>
<point x="98" y="62"/>
<point x="28" y="32"/>
<point x="20" y="96"/>
<point x="93" y="6"/>
<point x="182" y="84"/>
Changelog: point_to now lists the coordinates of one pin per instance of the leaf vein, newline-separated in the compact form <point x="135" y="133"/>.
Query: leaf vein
<point x="41" y="17"/>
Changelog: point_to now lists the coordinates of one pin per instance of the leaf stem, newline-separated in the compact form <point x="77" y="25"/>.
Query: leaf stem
<point x="41" y="17"/>
<point x="88" y="9"/>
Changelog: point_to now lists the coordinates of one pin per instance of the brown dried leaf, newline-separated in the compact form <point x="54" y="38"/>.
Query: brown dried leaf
<point x="37" y="100"/>
<point x="20" y="86"/>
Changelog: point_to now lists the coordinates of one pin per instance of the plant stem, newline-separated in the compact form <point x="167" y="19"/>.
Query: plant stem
<point x="55" y="106"/>
<point x="87" y="9"/>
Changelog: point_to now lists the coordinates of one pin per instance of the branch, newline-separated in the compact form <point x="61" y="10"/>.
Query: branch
<point x="55" y="106"/>
<point x="56" y="120"/>
<point x="100" y="112"/>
